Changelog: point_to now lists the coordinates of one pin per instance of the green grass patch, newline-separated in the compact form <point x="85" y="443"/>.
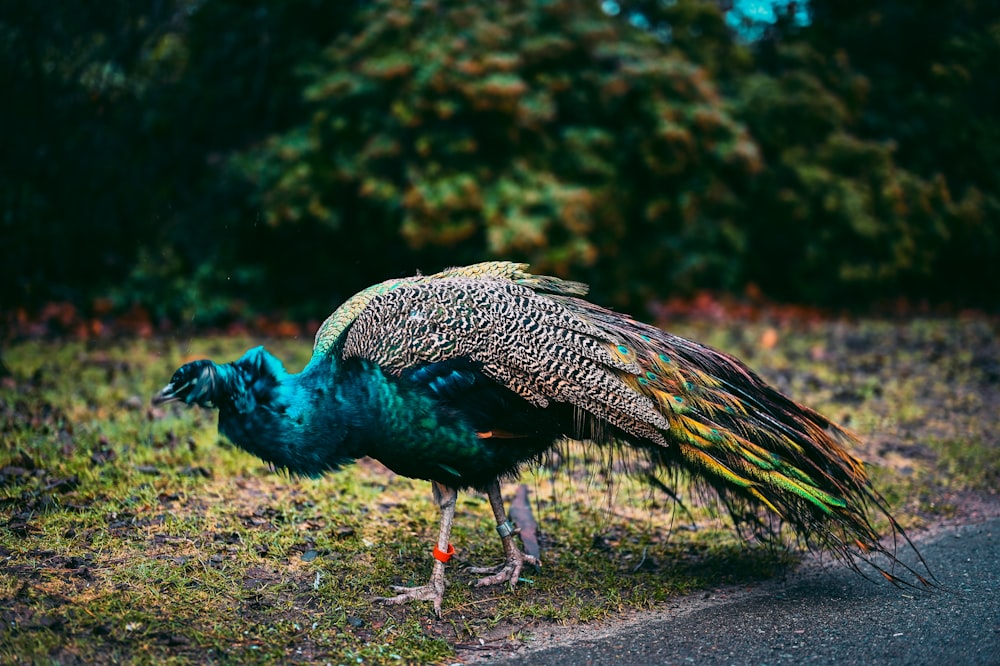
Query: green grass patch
<point x="131" y="534"/>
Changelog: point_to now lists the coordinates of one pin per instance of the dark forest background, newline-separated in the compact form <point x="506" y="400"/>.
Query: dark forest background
<point x="202" y="160"/>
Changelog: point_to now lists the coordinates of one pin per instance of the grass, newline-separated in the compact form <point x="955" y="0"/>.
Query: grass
<point x="135" y="535"/>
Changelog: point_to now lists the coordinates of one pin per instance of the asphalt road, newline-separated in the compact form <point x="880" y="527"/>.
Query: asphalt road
<point x="818" y="615"/>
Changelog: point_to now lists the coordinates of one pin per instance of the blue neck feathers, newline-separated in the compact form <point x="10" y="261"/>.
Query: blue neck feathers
<point x="307" y="423"/>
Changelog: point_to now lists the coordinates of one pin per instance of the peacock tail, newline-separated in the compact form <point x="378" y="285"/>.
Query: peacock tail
<point x="683" y="404"/>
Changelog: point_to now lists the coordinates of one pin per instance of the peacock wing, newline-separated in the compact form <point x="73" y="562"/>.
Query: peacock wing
<point x="528" y="341"/>
<point x="331" y="332"/>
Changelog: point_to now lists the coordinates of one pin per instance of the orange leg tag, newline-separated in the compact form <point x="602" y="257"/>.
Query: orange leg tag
<point x="442" y="556"/>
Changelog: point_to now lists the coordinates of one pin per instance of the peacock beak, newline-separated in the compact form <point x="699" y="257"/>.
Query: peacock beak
<point x="167" y="394"/>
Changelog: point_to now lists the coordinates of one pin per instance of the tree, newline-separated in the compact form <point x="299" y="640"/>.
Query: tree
<point x="68" y="212"/>
<point x="931" y="93"/>
<point x="111" y="176"/>
<point x="836" y="219"/>
<point x="540" y="131"/>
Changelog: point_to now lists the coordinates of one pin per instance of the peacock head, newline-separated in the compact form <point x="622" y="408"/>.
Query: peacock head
<point x="237" y="386"/>
<point x="195" y="383"/>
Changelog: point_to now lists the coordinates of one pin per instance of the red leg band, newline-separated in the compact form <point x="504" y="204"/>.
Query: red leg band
<point x="442" y="556"/>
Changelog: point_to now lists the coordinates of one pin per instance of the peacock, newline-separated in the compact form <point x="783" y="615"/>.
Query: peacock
<point x="466" y="376"/>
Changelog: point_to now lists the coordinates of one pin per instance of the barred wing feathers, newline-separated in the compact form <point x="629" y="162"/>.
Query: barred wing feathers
<point x="527" y="341"/>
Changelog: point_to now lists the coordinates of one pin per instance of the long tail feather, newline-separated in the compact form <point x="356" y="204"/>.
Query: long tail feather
<point x="752" y="444"/>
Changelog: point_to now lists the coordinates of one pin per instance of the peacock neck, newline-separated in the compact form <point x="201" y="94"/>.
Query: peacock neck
<point x="307" y="423"/>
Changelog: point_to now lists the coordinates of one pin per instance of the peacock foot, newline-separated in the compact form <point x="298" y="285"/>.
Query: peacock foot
<point x="509" y="571"/>
<point x="432" y="591"/>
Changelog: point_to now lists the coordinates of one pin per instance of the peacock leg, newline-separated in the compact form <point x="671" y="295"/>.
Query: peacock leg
<point x="434" y="589"/>
<point x="510" y="570"/>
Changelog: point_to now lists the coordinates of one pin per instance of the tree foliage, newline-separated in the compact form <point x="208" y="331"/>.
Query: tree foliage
<point x="185" y="155"/>
<point x="843" y="220"/>
<point x="110" y="178"/>
<point x="76" y="113"/>
<point x="538" y="131"/>
<point x="931" y="93"/>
